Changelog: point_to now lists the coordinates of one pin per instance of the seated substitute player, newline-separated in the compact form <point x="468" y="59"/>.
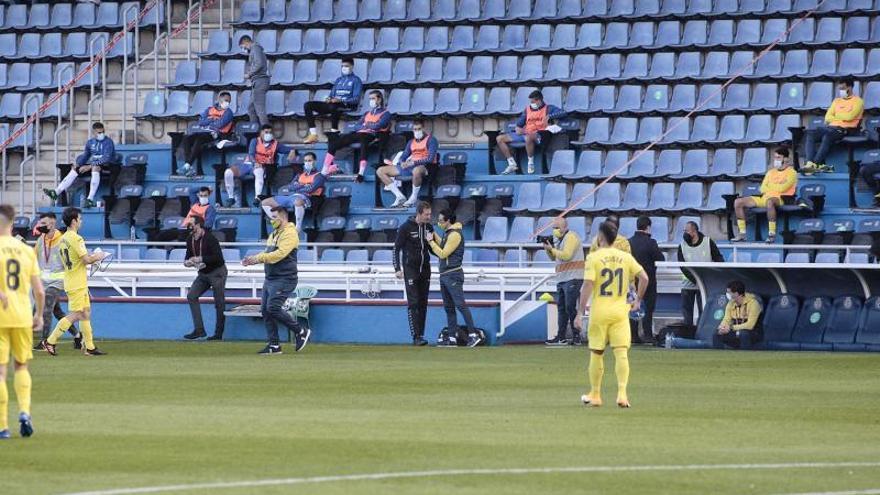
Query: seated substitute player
<point x="373" y="128"/>
<point x="201" y="208"/>
<point x="740" y="328"/>
<point x="608" y="274"/>
<point x="215" y="123"/>
<point x="304" y="186"/>
<point x="75" y="259"/>
<point x="263" y="156"/>
<point x="345" y="96"/>
<point x="99" y="153"/>
<point x="413" y="162"/>
<point x="620" y="242"/>
<point x="780" y="180"/>
<point x="19" y="277"/>
<point x="535" y="118"/>
<point x="843" y="117"/>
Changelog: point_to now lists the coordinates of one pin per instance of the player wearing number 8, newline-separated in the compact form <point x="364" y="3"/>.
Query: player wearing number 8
<point x="608" y="273"/>
<point x="75" y="258"/>
<point x="19" y="275"/>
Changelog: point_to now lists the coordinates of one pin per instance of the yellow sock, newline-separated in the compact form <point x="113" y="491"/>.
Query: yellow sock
<point x="58" y="332"/>
<point x="597" y="369"/>
<point x="23" y="390"/>
<point x="621" y="369"/>
<point x="4" y="406"/>
<point x="772" y="227"/>
<point x="85" y="327"/>
<point x="741" y="225"/>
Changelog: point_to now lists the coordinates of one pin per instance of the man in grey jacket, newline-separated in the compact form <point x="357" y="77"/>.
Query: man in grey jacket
<point x="256" y="73"/>
<point x="52" y="276"/>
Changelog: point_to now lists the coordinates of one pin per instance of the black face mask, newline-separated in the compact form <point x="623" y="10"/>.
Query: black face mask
<point x="687" y="238"/>
<point x="43" y="229"/>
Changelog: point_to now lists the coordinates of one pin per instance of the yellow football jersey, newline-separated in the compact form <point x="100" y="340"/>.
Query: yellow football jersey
<point x="72" y="250"/>
<point x="612" y="271"/>
<point x="18" y="265"/>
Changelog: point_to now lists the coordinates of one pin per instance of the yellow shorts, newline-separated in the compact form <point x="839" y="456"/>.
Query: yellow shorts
<point x="616" y="333"/>
<point x="761" y="201"/>
<point x="78" y="300"/>
<point x="18" y="340"/>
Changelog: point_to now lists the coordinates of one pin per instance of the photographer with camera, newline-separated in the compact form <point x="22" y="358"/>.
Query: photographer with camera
<point x="566" y="249"/>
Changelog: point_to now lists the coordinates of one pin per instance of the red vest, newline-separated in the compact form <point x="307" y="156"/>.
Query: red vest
<point x="198" y="210"/>
<point x="372" y="118"/>
<point x="215" y="113"/>
<point x="307" y="179"/>
<point x="536" y="120"/>
<point x="265" y="154"/>
<point x="419" y="149"/>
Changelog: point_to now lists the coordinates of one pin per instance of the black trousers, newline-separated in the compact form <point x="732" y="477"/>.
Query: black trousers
<point x="688" y="298"/>
<point x="216" y="281"/>
<point x="365" y="139"/>
<point x="315" y="108"/>
<point x="191" y="146"/>
<point x="650" y="302"/>
<point x="418" y="285"/>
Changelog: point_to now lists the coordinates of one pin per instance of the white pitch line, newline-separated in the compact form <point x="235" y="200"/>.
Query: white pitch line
<point x="480" y="472"/>
<point x="870" y="491"/>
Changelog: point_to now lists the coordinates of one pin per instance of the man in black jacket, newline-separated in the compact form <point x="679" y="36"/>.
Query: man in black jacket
<point x="203" y="252"/>
<point x="412" y="243"/>
<point x="695" y="247"/>
<point x="647" y="253"/>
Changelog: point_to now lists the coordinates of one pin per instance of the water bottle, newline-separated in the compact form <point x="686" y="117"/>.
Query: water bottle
<point x="132" y="235"/>
<point x="668" y="343"/>
<point x="635" y="314"/>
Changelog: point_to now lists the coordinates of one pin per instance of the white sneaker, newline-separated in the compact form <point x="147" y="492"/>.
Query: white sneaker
<point x="223" y="143"/>
<point x="398" y="203"/>
<point x="531" y="168"/>
<point x="408" y="203"/>
<point x="511" y="169"/>
<point x="396" y="183"/>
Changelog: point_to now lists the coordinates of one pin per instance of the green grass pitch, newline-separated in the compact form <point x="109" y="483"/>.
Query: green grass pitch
<point x="152" y="414"/>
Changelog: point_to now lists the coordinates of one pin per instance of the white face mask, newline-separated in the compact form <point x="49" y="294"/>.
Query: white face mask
<point x="777" y="164"/>
<point x="267" y="137"/>
<point x="224" y="104"/>
<point x="203" y="200"/>
<point x="729" y="296"/>
<point x="535" y="106"/>
<point x="308" y="167"/>
<point x="100" y="136"/>
<point x="374" y="103"/>
<point x="346" y="70"/>
<point x="419" y="134"/>
<point x="842" y="93"/>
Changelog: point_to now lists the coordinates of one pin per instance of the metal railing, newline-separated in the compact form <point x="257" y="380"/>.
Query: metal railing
<point x="27" y="158"/>
<point x="189" y="12"/>
<point x="102" y="95"/>
<point x="127" y="68"/>
<point x="63" y="126"/>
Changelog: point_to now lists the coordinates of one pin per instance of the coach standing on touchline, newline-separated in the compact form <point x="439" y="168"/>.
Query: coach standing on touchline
<point x="257" y="74"/>
<point x="203" y="251"/>
<point x="412" y="244"/>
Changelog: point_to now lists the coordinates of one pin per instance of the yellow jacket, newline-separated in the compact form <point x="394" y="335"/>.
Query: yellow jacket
<point x="778" y="183"/>
<point x="742" y="316"/>
<point x="845" y="112"/>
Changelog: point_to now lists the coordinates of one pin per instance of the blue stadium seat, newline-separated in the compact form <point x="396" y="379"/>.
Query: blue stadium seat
<point x="846" y="317"/>
<point x="780" y="318"/>
<point x="635" y="198"/>
<point x="704" y="130"/>
<point x="528" y="197"/>
<point x="696" y="164"/>
<point x="306" y="256"/>
<point x="662" y="198"/>
<point x="831" y="258"/>
<point x="668" y="163"/>
<point x="178" y="254"/>
<point x="431" y="70"/>
<point x="606" y="198"/>
<point x="690" y="197"/>
<point x="707" y="325"/>
<point x="642" y="166"/>
<point x="521" y="230"/>
<point x="332" y="256"/>
<point x="793" y="257"/>
<point x="562" y="164"/>
<point x="275" y="13"/>
<point x="356" y="256"/>
<point x="383" y="256"/>
<point x="869" y="329"/>
<point x="152" y="254"/>
<point x="589" y="165"/>
<point x="486" y="257"/>
<point x="553" y="200"/>
<point x="495" y="229"/>
<point x="812" y="322"/>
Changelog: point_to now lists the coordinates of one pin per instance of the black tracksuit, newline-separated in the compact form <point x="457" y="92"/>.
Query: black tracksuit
<point x="416" y="265"/>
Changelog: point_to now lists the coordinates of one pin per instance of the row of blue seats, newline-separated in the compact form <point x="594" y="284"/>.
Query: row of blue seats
<point x="522" y="228"/>
<point x="79" y="45"/>
<point x="705" y="131"/>
<point x="24" y="76"/>
<point x="359" y="12"/>
<point x="17" y="106"/>
<point x="514" y="70"/>
<point x="26" y="138"/>
<point x="846" y="323"/>
<point x="655" y="99"/>
<point x="518" y="38"/>
<point x="81" y="16"/>
<point x="612" y="197"/>
<point x="800" y="258"/>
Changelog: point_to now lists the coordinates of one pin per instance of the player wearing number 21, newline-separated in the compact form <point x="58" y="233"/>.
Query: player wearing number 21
<point x="19" y="275"/>
<point x="75" y="258"/>
<point x="608" y="274"/>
